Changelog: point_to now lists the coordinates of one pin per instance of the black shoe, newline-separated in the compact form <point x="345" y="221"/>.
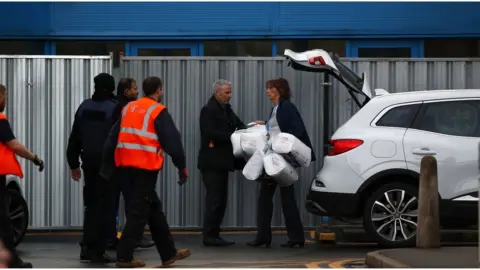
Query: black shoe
<point x="291" y="244"/>
<point x="102" y="259"/>
<point x="257" y="243"/>
<point x="145" y="243"/>
<point x="23" y="265"/>
<point x="216" y="242"/>
<point x="83" y="252"/>
<point x="19" y="263"/>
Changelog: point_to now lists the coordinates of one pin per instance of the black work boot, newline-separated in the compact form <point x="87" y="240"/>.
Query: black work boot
<point x="17" y="262"/>
<point x="145" y="243"/>
<point x="105" y="258"/>
<point x="83" y="252"/>
<point x="216" y="242"/>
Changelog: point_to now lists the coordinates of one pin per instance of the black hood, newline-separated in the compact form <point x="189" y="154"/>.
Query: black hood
<point x="104" y="86"/>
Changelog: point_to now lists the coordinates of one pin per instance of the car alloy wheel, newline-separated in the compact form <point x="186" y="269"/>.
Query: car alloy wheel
<point x="18" y="213"/>
<point x="394" y="215"/>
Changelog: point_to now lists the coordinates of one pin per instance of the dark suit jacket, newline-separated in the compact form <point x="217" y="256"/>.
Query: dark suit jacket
<point x="217" y="123"/>
<point x="290" y="121"/>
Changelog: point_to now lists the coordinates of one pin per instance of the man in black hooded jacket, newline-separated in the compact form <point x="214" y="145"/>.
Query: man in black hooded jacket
<point x="93" y="121"/>
<point x="126" y="91"/>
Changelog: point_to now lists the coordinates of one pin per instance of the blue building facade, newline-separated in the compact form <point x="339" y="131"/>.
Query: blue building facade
<point x="351" y="29"/>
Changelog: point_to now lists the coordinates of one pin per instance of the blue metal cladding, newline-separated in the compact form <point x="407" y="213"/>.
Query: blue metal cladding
<point x="24" y="19"/>
<point x="233" y="20"/>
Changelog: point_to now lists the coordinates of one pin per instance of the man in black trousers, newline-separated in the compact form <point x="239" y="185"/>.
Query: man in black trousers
<point x="127" y="91"/>
<point x="92" y="123"/>
<point x="216" y="159"/>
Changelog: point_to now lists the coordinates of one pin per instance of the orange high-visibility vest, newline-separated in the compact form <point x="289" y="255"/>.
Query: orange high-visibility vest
<point x="8" y="159"/>
<point x="138" y="144"/>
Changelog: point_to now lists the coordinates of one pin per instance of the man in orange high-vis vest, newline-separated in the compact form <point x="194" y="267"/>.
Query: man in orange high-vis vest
<point x="146" y="130"/>
<point x="9" y="149"/>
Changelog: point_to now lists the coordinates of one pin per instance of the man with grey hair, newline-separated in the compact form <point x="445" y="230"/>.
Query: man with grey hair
<point x="216" y="159"/>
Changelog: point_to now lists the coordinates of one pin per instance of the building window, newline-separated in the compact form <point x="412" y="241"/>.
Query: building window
<point x="164" y="52"/>
<point x="257" y="48"/>
<point x="22" y="47"/>
<point x="449" y="48"/>
<point x="336" y="46"/>
<point x="163" y="48"/>
<point x="82" y="47"/>
<point x="384" y="52"/>
<point x="385" y="48"/>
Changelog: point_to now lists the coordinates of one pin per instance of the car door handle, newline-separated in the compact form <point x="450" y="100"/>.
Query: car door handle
<point x="424" y="151"/>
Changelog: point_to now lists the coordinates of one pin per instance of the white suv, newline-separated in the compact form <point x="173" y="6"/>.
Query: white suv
<point x="372" y="168"/>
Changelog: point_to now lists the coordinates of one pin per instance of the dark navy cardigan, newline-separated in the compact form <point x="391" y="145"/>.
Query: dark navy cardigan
<point x="290" y="121"/>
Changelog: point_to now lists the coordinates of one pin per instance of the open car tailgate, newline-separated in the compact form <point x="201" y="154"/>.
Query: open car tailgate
<point x="321" y="61"/>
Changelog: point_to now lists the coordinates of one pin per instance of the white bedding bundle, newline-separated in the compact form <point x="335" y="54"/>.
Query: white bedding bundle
<point x="245" y="141"/>
<point x="287" y="144"/>
<point x="254" y="167"/>
<point x="276" y="157"/>
<point x="280" y="170"/>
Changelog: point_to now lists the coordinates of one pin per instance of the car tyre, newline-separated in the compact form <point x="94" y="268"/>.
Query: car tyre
<point x="392" y="222"/>
<point x="19" y="215"/>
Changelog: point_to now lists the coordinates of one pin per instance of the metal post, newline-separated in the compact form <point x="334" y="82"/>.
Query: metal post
<point x="428" y="229"/>
<point x="478" y="225"/>
<point x="326" y="124"/>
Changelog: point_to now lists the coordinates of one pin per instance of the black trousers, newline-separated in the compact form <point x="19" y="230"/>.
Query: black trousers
<point x="291" y="214"/>
<point x="144" y="207"/>
<point x="122" y="185"/>
<point x="6" y="228"/>
<point x="97" y="197"/>
<point x="216" y="197"/>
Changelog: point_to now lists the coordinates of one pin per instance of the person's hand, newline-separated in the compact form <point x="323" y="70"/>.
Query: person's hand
<point x="4" y="256"/>
<point x="76" y="174"/>
<point x="39" y="163"/>
<point x="183" y="175"/>
<point x="260" y="122"/>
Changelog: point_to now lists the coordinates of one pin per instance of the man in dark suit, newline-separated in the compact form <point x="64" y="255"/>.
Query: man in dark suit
<point x="216" y="159"/>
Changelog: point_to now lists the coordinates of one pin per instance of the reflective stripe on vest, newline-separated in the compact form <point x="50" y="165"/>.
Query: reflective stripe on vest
<point x="136" y="146"/>
<point x="8" y="159"/>
<point x="141" y="132"/>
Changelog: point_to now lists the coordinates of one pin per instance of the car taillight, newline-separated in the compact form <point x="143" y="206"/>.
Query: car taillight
<point x="316" y="61"/>
<point x="338" y="147"/>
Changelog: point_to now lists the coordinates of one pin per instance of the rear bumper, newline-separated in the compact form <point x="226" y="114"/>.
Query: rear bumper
<point x="332" y="204"/>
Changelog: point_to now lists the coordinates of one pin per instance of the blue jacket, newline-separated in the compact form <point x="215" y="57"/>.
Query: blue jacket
<point x="290" y="121"/>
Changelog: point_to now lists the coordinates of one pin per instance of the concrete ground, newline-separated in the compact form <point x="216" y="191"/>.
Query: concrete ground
<point x="62" y="251"/>
<point x="444" y="257"/>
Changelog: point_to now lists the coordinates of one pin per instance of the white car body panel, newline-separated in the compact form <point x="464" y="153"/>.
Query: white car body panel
<point x="459" y="162"/>
<point x="457" y="165"/>
<point x="337" y="176"/>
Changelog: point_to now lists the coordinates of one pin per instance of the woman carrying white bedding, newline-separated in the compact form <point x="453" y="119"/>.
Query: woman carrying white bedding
<point x="285" y="118"/>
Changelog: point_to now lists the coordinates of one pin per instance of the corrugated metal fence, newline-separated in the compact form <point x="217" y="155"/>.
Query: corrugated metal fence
<point x="48" y="90"/>
<point x="43" y="95"/>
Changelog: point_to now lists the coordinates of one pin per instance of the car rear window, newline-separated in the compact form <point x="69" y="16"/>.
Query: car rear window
<point x="401" y="116"/>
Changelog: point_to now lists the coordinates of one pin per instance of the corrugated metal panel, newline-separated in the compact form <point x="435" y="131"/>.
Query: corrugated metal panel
<point x="188" y="85"/>
<point x="43" y="95"/>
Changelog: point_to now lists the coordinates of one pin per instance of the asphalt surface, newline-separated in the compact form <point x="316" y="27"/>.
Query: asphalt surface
<point x="63" y="252"/>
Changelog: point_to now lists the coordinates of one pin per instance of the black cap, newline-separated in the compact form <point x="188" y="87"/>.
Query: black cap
<point x="104" y="82"/>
